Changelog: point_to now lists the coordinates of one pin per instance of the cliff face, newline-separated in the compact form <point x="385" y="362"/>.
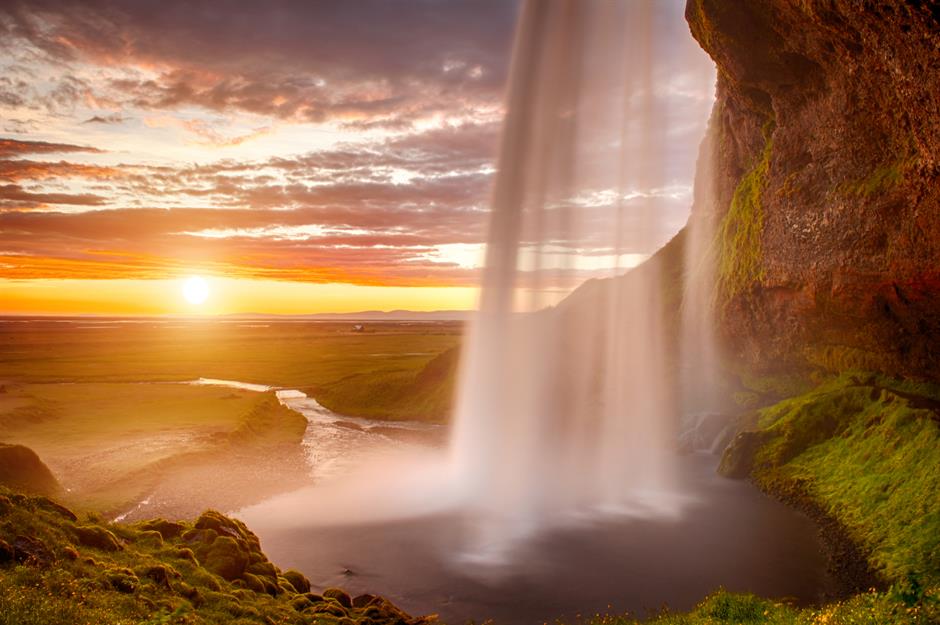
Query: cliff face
<point x="827" y="165"/>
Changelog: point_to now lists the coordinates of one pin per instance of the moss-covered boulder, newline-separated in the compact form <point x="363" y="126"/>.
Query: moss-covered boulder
<point x="167" y="529"/>
<point x="97" y="538"/>
<point x="32" y="551"/>
<point x="339" y="595"/>
<point x="297" y="579"/>
<point x="224" y="557"/>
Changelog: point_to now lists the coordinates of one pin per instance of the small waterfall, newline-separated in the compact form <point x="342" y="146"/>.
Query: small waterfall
<point x="568" y="406"/>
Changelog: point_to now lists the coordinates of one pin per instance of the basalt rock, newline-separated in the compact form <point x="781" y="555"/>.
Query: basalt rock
<point x="826" y="138"/>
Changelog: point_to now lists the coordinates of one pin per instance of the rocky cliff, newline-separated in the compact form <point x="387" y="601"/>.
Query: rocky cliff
<point x="827" y="165"/>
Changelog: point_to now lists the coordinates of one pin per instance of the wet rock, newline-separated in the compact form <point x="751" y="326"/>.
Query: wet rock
<point x="32" y="551"/>
<point x="297" y="580"/>
<point x="339" y="595"/>
<point x="737" y="461"/>
<point x="97" y="538"/>
<point x="225" y="557"/>
<point x="828" y="281"/>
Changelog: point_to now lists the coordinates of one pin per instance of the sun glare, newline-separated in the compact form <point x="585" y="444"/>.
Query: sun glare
<point x="195" y="290"/>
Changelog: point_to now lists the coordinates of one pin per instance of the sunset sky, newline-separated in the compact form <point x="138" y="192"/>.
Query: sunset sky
<point x="301" y="156"/>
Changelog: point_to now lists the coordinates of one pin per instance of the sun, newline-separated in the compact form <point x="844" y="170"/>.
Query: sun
<point x="196" y="290"/>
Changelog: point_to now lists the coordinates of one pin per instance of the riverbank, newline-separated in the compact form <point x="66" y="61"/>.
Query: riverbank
<point x="179" y="447"/>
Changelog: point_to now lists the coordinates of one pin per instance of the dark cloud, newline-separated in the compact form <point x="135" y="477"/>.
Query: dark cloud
<point x="13" y="195"/>
<point x="112" y="118"/>
<point x="365" y="63"/>
<point x="16" y="147"/>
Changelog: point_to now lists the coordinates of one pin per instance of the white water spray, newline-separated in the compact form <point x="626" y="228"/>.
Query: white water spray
<point x="572" y="410"/>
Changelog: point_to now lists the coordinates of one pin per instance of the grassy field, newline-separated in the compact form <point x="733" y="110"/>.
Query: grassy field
<point x="371" y="373"/>
<point x="105" y="407"/>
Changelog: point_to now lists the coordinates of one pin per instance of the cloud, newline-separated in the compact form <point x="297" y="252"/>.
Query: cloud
<point x="15" y="196"/>
<point x="16" y="147"/>
<point x="363" y="64"/>
<point x="111" y="118"/>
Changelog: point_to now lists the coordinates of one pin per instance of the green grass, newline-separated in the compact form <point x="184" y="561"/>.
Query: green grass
<point x="397" y="394"/>
<point x="898" y="606"/>
<point x="865" y="447"/>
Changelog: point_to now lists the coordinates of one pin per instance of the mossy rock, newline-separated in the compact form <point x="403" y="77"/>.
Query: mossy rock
<point x="150" y="538"/>
<point x="262" y="569"/>
<point x="739" y="457"/>
<point x="297" y="580"/>
<point x="160" y="574"/>
<point x="199" y="537"/>
<point x="97" y="538"/>
<point x="225" y="526"/>
<point x="32" y="551"/>
<point x="327" y="607"/>
<point x="123" y="581"/>
<point x="339" y="595"/>
<point x="224" y="557"/>
<point x="167" y="529"/>
<point x="185" y="553"/>
<point x="254" y="583"/>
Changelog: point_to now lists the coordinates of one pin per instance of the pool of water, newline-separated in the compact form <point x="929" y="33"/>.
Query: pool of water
<point x="728" y="535"/>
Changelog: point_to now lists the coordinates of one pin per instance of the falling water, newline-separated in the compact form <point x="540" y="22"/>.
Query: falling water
<point x="568" y="407"/>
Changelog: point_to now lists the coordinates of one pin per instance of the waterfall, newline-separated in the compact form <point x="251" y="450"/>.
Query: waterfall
<point x="567" y="403"/>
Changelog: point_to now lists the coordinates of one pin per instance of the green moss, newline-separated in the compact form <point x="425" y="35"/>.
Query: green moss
<point x="145" y="581"/>
<point x="738" y="239"/>
<point x="881" y="178"/>
<point x="865" y="447"/>
<point x="837" y="358"/>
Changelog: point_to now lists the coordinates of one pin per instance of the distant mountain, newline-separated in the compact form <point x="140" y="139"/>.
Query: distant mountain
<point x="368" y="315"/>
